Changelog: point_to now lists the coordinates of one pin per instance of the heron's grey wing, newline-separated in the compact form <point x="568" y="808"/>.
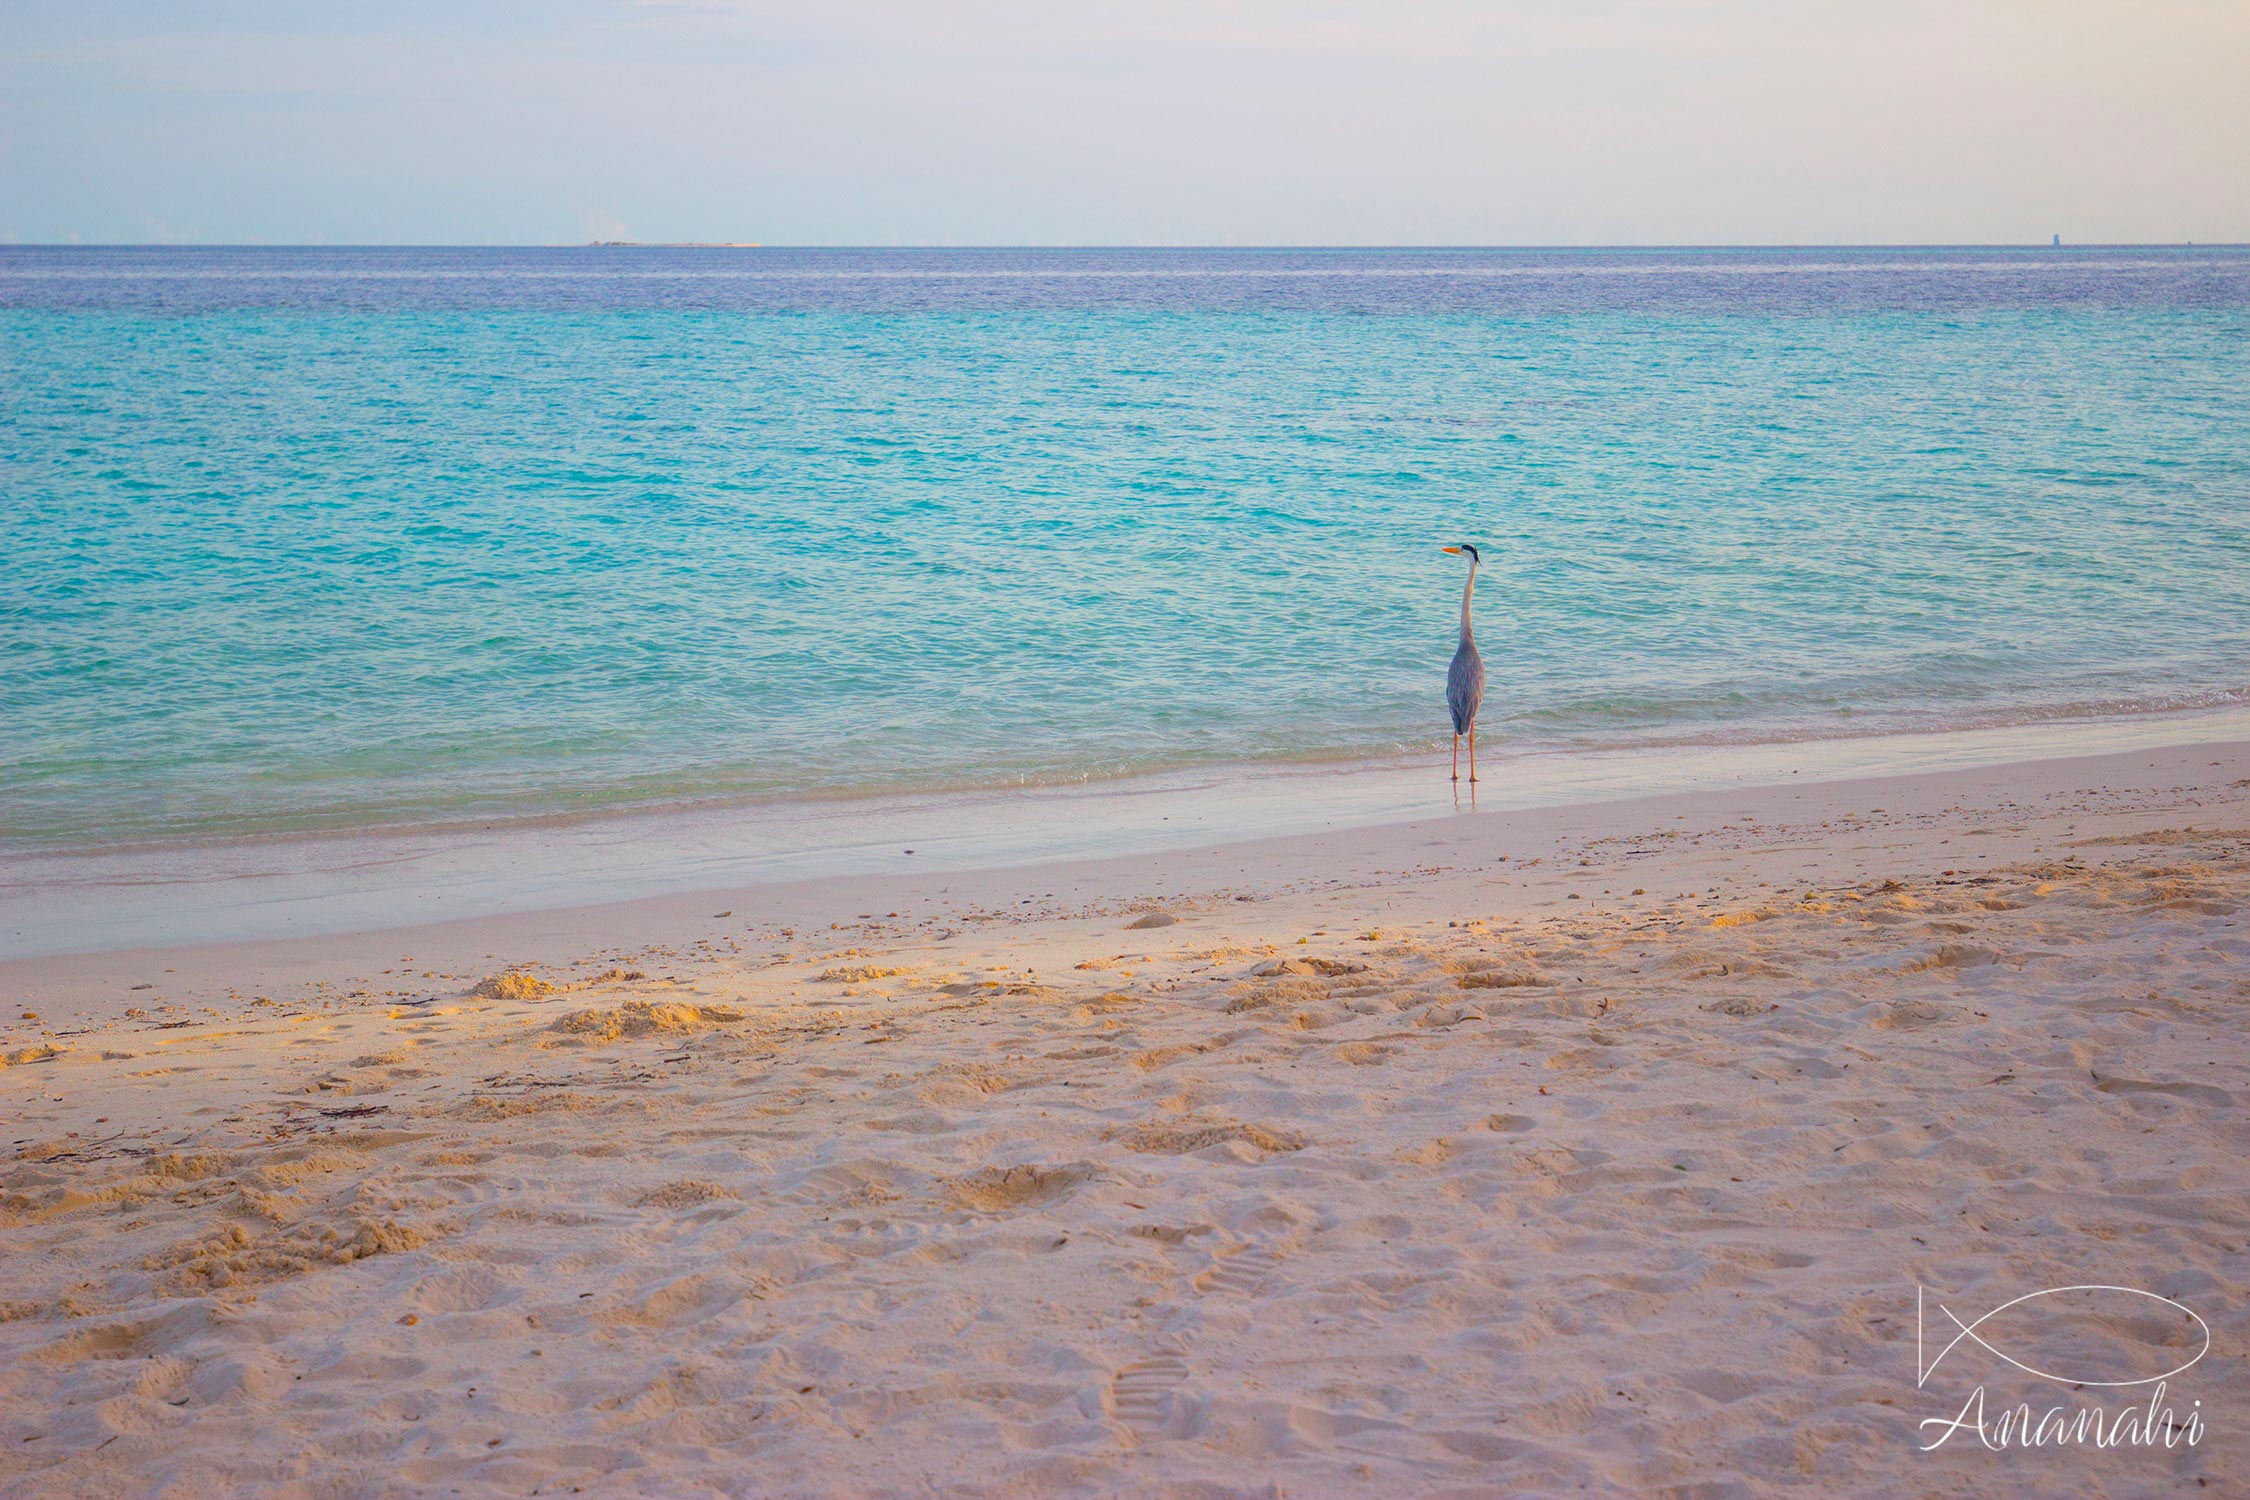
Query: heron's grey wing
<point x="1464" y="687"/>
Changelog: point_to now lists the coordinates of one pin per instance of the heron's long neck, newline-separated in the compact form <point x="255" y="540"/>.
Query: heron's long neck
<point x="1468" y="591"/>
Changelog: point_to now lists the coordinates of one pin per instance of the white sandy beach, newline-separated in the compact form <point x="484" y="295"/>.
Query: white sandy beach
<point x="1589" y="1150"/>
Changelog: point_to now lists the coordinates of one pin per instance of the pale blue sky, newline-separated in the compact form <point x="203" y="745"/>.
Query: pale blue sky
<point x="1154" y="121"/>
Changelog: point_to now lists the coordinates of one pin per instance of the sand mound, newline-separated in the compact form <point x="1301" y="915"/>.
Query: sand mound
<point x="642" y="1018"/>
<point x="1501" y="979"/>
<point x="190" y="1167"/>
<point x="995" y="1189"/>
<point x="2162" y="836"/>
<point x="233" y="1257"/>
<point x="1325" y="968"/>
<point x="1951" y="956"/>
<point x="515" y="984"/>
<point x="1912" y="1015"/>
<point x="685" y="1193"/>
<point x="983" y="1078"/>
<point x="510" y="1106"/>
<point x="1158" y="1057"/>
<point x="1277" y="992"/>
<point x="1178" y="1137"/>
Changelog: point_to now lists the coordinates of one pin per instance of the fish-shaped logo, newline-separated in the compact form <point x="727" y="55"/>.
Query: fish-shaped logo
<point x="1984" y="1330"/>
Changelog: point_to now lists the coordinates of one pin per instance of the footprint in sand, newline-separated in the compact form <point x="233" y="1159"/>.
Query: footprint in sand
<point x="2200" y="1093"/>
<point x="1141" y="1392"/>
<point x="1239" y="1274"/>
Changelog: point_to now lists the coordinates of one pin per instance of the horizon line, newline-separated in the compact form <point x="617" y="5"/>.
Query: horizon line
<point x="1096" y="245"/>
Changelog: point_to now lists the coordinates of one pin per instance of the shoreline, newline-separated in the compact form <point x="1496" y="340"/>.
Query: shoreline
<point x="2033" y="724"/>
<point x="616" y="925"/>
<point x="55" y="904"/>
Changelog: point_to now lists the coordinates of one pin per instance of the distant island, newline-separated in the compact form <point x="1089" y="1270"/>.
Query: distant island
<point x="672" y="245"/>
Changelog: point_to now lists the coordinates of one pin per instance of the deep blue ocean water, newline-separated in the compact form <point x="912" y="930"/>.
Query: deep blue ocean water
<point x="341" y="538"/>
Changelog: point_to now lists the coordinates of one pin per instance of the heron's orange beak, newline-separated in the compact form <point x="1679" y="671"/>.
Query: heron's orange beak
<point x="1456" y="551"/>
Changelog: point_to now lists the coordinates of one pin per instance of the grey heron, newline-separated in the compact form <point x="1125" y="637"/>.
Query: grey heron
<point x="1464" y="680"/>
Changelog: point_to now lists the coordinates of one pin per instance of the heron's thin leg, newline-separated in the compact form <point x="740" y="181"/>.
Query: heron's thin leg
<point x="1472" y="752"/>
<point x="1456" y="757"/>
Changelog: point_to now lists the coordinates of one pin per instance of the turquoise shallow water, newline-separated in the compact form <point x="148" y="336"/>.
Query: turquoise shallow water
<point x="308" y="538"/>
